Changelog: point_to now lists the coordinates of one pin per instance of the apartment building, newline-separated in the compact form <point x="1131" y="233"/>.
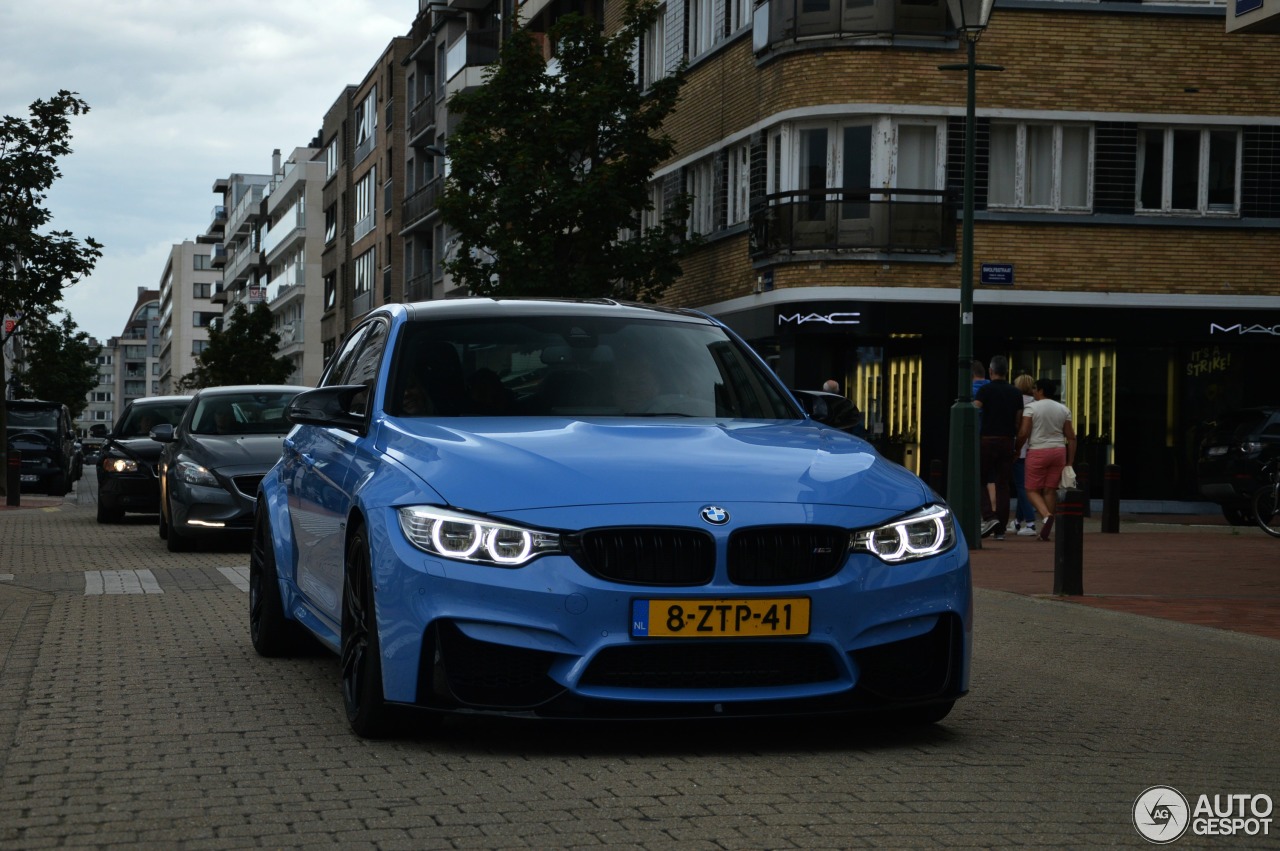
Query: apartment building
<point x="292" y="246"/>
<point x="236" y="235"/>
<point x="186" y="308"/>
<point x="1127" y="200"/>
<point x="100" y="401"/>
<point x="138" y="349"/>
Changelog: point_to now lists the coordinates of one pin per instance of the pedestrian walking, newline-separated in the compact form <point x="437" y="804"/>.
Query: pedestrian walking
<point x="1050" y="439"/>
<point x="1024" y="515"/>
<point x="1001" y="406"/>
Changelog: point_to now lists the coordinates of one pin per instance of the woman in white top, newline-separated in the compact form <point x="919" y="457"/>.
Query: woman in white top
<point x="1047" y="433"/>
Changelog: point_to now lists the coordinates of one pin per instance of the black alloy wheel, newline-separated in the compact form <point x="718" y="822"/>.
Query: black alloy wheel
<point x="273" y="634"/>
<point x="367" y="710"/>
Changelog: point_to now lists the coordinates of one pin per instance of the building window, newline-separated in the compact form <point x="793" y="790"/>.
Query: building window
<point x="366" y="124"/>
<point x="653" y="50"/>
<point x="201" y="319"/>
<point x="365" y="268"/>
<point x="201" y="290"/>
<point x="330" y="291"/>
<point x="201" y="262"/>
<point x="366" y="203"/>
<point x="331" y="158"/>
<point x="1188" y="170"/>
<point x="700" y="184"/>
<point x="739" y="183"/>
<point x="1040" y="166"/>
<point x="330" y="223"/>
<point x="700" y="15"/>
<point x="198" y="346"/>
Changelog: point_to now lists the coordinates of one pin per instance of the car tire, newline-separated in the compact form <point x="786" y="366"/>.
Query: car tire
<point x="1237" y="516"/>
<point x="272" y="633"/>
<point x="361" y="661"/>
<point x="108" y="515"/>
<point x="178" y="542"/>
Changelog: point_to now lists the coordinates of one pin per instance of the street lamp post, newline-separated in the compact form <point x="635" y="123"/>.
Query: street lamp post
<point x="970" y="17"/>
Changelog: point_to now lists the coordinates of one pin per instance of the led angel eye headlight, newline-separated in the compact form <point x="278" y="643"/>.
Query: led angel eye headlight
<point x="924" y="533"/>
<point x="455" y="535"/>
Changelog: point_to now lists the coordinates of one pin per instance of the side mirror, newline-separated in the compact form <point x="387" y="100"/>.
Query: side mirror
<point x="162" y="433"/>
<point x="328" y="406"/>
<point x="820" y="410"/>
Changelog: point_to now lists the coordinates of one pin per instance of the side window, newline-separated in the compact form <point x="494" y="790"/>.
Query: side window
<point x="364" y="366"/>
<point x="341" y="364"/>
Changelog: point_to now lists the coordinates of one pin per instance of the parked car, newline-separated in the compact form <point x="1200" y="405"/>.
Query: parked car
<point x="1232" y="455"/>
<point x="45" y="435"/>
<point x="638" y="522"/>
<point x="127" y="478"/>
<point x="214" y="458"/>
<point x="832" y="409"/>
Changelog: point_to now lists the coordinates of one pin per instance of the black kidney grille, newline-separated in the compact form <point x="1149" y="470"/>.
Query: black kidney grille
<point x="786" y="555"/>
<point x="643" y="555"/>
<point x="748" y="664"/>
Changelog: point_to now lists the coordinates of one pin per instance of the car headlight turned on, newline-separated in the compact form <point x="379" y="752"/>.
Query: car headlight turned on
<point x="119" y="465"/>
<point x="188" y="471"/>
<point x="467" y="537"/>
<point x="927" y="532"/>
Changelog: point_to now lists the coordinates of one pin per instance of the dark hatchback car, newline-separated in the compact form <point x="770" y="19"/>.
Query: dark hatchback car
<point x="832" y="409"/>
<point x="127" y="467"/>
<point x="213" y="460"/>
<point x="43" y="433"/>
<point x="1232" y="455"/>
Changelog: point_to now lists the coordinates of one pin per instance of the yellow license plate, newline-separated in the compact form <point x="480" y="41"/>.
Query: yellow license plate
<point x="725" y="618"/>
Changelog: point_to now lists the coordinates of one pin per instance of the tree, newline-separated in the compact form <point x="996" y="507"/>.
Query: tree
<point x="550" y="170"/>
<point x="242" y="350"/>
<point x="59" y="363"/>
<point x="35" y="266"/>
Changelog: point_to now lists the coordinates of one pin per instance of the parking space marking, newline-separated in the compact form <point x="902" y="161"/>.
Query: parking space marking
<point x="120" y="582"/>
<point x="238" y="576"/>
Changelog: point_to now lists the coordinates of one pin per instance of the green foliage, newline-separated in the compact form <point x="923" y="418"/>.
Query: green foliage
<point x="59" y="363"/>
<point x="549" y="174"/>
<point x="242" y="350"/>
<point x="36" y="266"/>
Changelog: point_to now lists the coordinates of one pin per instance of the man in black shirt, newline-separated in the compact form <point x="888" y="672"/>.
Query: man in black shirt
<point x="1001" y="405"/>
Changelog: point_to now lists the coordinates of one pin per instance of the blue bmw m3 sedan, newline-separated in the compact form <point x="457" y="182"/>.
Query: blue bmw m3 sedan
<point x="589" y="509"/>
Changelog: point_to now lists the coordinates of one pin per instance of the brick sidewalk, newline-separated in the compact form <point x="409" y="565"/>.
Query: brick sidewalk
<point x="1195" y="570"/>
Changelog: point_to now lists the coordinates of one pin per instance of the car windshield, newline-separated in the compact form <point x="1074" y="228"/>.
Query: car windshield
<point x="1238" y="425"/>
<point x="45" y="418"/>
<point x="142" y="418"/>
<point x="586" y="366"/>
<point x="243" y="413"/>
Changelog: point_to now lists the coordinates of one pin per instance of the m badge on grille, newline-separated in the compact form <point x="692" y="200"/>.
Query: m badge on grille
<point x="715" y="515"/>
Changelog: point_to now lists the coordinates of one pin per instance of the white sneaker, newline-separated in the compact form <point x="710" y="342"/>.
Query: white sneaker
<point x="1027" y="531"/>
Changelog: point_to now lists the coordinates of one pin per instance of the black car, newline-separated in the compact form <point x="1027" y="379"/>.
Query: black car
<point x="1232" y="455"/>
<point x="215" y="457"/>
<point x="43" y="432"/>
<point x="127" y="479"/>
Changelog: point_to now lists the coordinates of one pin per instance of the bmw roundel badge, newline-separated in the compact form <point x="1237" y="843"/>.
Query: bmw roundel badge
<point x="715" y="515"/>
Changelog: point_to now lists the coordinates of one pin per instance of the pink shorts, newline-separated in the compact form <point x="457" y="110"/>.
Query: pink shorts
<point x="1044" y="468"/>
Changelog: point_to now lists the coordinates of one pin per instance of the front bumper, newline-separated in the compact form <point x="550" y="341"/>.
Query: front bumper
<point x="138" y="492"/>
<point x="549" y="639"/>
<point x="202" y="510"/>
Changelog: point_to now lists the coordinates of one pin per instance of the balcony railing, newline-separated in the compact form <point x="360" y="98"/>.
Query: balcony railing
<point x="366" y="146"/>
<point x="854" y="220"/>
<point x="476" y="48"/>
<point x="418" y="287"/>
<point x="788" y="20"/>
<point x="422" y="202"/>
<point x="218" y="255"/>
<point x="423" y="117"/>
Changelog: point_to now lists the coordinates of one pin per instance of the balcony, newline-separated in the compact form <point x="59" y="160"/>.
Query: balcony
<point x="218" y="256"/>
<point x="907" y="221"/>
<point x="788" y="20"/>
<point x="292" y="225"/>
<point x="421" y="120"/>
<point x="419" y="206"/>
<point x="245" y="212"/>
<point x="217" y="222"/>
<point x="219" y="294"/>
<point x="366" y="147"/>
<point x="418" y="288"/>
<point x="467" y="58"/>
<point x="240" y="265"/>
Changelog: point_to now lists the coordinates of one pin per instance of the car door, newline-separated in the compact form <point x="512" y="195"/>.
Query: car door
<point x="321" y="468"/>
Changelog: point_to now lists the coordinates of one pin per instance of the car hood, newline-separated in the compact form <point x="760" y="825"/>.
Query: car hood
<point x="246" y="451"/>
<point x="503" y="465"/>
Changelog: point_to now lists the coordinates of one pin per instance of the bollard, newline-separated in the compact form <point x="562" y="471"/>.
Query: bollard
<point x="13" y="478"/>
<point x="1068" y="544"/>
<point x="1111" y="499"/>
<point x="1082" y="481"/>
<point x="936" y="476"/>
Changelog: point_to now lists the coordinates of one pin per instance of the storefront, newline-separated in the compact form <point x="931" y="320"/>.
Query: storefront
<point x="1141" y="377"/>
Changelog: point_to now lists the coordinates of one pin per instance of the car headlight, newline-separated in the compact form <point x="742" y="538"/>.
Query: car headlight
<point x="921" y="534"/>
<point x="119" y="465"/>
<point x="466" y="537"/>
<point x="191" y="473"/>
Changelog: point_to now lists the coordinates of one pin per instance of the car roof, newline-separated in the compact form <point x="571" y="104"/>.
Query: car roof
<point x="33" y="403"/>
<point x="147" y="401"/>
<point x="240" y="389"/>
<point x="487" y="307"/>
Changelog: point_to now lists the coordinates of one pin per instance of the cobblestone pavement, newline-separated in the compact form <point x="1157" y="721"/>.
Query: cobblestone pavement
<point x="135" y="714"/>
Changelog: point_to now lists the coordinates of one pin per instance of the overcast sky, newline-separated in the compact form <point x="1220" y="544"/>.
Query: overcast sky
<point x="180" y="93"/>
